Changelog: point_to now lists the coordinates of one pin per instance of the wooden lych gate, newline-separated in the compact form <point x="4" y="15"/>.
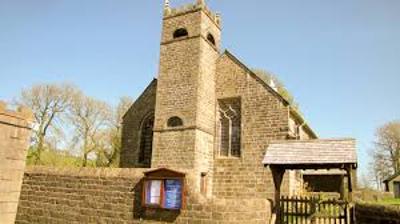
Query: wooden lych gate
<point x="313" y="210"/>
<point x="311" y="154"/>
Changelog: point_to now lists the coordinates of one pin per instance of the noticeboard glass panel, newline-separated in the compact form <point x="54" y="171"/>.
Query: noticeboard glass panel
<point x="172" y="194"/>
<point x="153" y="192"/>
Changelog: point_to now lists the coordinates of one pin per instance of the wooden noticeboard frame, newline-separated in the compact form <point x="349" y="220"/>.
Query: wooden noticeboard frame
<point x="163" y="174"/>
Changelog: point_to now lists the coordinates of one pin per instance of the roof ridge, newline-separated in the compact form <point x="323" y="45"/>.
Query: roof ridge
<point x="313" y="140"/>
<point x="240" y="63"/>
<point x="153" y="82"/>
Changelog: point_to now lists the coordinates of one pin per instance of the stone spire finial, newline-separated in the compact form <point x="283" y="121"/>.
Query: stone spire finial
<point x="167" y="9"/>
<point x="218" y="17"/>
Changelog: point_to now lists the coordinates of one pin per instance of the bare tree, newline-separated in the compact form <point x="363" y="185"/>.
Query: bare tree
<point x="381" y="169"/>
<point x="388" y="143"/>
<point x="386" y="153"/>
<point x="89" y="117"/>
<point x="48" y="103"/>
<point x="111" y="139"/>
<point x="364" y="181"/>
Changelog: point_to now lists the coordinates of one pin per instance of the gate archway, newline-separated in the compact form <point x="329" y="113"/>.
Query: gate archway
<point x="310" y="154"/>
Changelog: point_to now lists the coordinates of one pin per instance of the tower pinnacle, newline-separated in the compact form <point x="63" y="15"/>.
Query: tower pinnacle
<point x="166" y="4"/>
<point x="167" y="9"/>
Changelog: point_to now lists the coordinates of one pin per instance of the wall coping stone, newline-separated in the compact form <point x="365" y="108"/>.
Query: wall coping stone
<point x="21" y="117"/>
<point x="86" y="172"/>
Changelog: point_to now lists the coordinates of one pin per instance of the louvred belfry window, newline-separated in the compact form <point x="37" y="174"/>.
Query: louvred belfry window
<point x="181" y="32"/>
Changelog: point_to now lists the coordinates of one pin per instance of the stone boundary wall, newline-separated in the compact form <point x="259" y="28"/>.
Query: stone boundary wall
<point x="376" y="214"/>
<point x="78" y="195"/>
<point x="14" y="141"/>
<point x="85" y="195"/>
<point x="371" y="195"/>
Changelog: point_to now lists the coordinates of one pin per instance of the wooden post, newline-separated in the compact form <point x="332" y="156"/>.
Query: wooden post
<point x="277" y="174"/>
<point x="350" y="179"/>
<point x="342" y="187"/>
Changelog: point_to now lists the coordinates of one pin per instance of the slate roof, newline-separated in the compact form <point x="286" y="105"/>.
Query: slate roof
<point x="318" y="151"/>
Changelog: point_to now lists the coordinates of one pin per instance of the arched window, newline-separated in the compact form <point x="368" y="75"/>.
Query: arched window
<point x="211" y="38"/>
<point x="146" y="140"/>
<point x="229" y="127"/>
<point x="174" y="122"/>
<point x="181" y="32"/>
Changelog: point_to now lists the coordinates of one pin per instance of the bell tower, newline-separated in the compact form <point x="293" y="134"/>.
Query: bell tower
<point x="185" y="105"/>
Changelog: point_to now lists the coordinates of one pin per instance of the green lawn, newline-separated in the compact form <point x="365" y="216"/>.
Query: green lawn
<point x="390" y="201"/>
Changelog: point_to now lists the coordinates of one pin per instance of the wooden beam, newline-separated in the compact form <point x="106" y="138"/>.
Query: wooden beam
<point x="277" y="174"/>
<point x="315" y="166"/>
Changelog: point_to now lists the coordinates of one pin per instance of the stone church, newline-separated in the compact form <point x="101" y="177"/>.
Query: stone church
<point x="211" y="117"/>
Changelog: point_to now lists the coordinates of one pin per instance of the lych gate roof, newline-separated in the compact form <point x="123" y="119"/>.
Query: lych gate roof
<point x="304" y="152"/>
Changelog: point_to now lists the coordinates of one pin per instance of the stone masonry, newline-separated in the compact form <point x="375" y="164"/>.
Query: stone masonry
<point x="193" y="77"/>
<point x="84" y="195"/>
<point x="14" y="138"/>
<point x="186" y="89"/>
<point x="132" y="121"/>
<point x="196" y="81"/>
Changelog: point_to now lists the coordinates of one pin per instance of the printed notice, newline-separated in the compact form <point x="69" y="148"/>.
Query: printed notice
<point x="153" y="192"/>
<point x="173" y="194"/>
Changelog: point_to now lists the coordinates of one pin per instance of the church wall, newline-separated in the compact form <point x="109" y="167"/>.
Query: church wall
<point x="186" y="88"/>
<point x="193" y="76"/>
<point x="297" y="129"/>
<point x="177" y="94"/>
<point x="173" y="149"/>
<point x="143" y="106"/>
<point x="264" y="118"/>
<point x="178" y="72"/>
<point x="206" y="105"/>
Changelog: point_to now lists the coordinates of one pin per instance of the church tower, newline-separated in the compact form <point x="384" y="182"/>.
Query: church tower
<point x="185" y="104"/>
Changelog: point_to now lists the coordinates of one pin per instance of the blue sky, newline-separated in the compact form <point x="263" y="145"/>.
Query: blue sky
<point x="339" y="58"/>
